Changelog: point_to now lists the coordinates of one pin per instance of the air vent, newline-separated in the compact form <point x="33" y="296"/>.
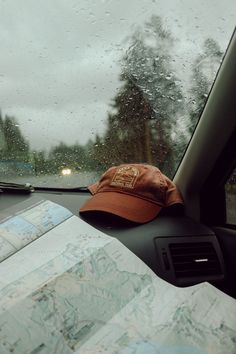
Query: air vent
<point x="195" y="259"/>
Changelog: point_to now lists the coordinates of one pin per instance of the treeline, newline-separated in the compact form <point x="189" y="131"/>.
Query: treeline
<point x="150" y="118"/>
<point x="16" y="155"/>
<point x="74" y="156"/>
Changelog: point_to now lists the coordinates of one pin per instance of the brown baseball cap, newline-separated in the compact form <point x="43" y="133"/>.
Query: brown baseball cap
<point x="136" y="192"/>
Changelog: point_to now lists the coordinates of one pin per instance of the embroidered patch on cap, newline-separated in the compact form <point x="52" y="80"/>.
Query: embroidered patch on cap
<point x="125" y="177"/>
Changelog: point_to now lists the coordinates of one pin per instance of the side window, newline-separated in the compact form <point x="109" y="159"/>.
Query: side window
<point x="230" y="193"/>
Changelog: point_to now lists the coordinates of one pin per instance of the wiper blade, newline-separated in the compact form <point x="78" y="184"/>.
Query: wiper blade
<point x="16" y="187"/>
<point x="25" y="188"/>
<point x="62" y="189"/>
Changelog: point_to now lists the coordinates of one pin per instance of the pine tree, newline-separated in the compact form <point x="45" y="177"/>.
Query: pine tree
<point x="203" y="73"/>
<point x="148" y="104"/>
<point x="2" y="138"/>
<point x="15" y="145"/>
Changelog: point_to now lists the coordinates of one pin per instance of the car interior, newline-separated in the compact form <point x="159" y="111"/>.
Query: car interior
<point x="191" y="246"/>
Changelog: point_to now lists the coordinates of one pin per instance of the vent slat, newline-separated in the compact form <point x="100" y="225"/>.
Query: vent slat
<point x="196" y="264"/>
<point x="196" y="273"/>
<point x="192" y="249"/>
<point x="194" y="259"/>
<point x="193" y="252"/>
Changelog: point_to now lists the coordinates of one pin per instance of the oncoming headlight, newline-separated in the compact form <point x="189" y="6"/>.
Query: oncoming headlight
<point x="66" y="171"/>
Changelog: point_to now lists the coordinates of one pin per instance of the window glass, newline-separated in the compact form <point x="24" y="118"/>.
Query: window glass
<point x="230" y="193"/>
<point x="85" y="84"/>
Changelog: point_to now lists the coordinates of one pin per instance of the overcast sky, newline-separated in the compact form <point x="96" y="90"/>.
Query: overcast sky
<point x="59" y="62"/>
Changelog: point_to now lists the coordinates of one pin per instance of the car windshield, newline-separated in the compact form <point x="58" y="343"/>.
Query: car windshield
<point x="86" y="85"/>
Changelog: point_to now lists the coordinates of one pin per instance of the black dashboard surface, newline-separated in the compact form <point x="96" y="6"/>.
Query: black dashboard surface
<point x="147" y="241"/>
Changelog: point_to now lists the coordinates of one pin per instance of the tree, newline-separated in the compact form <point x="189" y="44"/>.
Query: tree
<point x="41" y="165"/>
<point x="15" y="146"/>
<point x="146" y="108"/>
<point x="203" y="73"/>
<point x="2" y="138"/>
<point x="62" y="155"/>
<point x="128" y="130"/>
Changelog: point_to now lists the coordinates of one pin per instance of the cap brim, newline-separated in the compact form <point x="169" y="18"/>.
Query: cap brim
<point x="124" y="205"/>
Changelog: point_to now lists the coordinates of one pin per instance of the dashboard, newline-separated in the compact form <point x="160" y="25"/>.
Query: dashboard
<point x="177" y="248"/>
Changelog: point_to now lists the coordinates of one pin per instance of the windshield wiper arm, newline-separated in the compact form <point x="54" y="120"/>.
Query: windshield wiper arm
<point x="16" y="187"/>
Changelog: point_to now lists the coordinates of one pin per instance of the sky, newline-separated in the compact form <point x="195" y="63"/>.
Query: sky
<point x="60" y="59"/>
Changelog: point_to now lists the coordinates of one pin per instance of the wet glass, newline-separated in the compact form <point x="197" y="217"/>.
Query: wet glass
<point x="86" y="85"/>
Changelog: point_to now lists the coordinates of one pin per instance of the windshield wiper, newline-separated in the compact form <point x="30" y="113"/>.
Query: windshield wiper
<point x="26" y="188"/>
<point x="62" y="189"/>
<point x="16" y="187"/>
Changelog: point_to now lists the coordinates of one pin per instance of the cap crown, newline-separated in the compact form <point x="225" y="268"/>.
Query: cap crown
<point x="143" y="181"/>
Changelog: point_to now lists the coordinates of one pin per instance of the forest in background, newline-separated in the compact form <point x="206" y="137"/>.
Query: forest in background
<point x="150" y="118"/>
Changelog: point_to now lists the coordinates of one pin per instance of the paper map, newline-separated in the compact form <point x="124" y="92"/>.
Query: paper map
<point x="77" y="290"/>
<point x="19" y="230"/>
